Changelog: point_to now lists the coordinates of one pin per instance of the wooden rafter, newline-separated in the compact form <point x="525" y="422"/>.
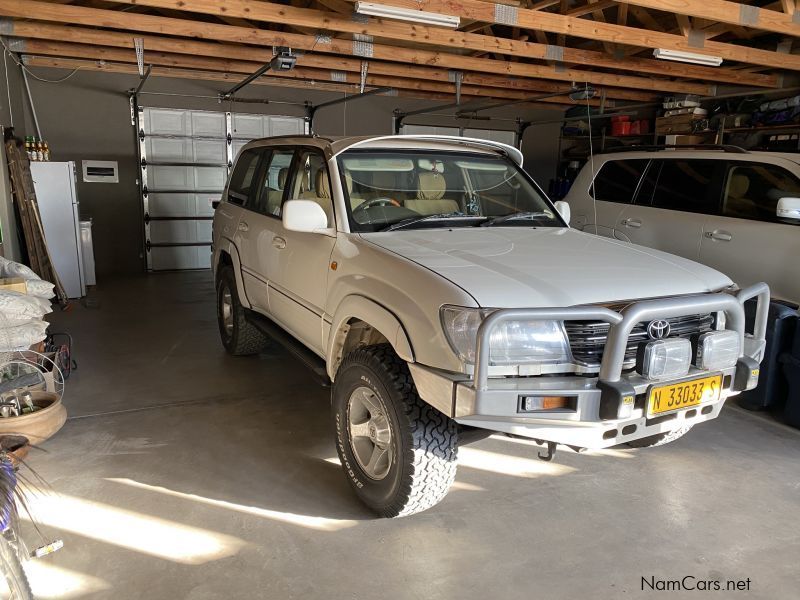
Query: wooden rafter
<point x="188" y="28"/>
<point x="433" y="36"/>
<point x="726" y="12"/>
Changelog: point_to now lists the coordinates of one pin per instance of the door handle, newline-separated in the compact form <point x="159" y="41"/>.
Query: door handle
<point x="243" y="226"/>
<point x="279" y="242"/>
<point x="635" y="223"/>
<point x="719" y="235"/>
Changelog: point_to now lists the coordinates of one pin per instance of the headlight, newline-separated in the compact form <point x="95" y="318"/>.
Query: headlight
<point x="512" y="342"/>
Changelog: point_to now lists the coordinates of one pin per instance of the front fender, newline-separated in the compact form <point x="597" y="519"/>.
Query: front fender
<point x="369" y="311"/>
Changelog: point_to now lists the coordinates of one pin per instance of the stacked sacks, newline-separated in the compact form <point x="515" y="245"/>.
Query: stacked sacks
<point x="21" y="315"/>
<point x="36" y="286"/>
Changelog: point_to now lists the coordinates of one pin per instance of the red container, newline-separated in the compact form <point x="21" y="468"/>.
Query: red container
<point x="635" y="127"/>
<point x="644" y="126"/>
<point x="621" y="128"/>
<point x="620" y="118"/>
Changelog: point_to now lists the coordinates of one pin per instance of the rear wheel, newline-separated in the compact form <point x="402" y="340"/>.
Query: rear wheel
<point x="239" y="336"/>
<point x="660" y="439"/>
<point x="398" y="452"/>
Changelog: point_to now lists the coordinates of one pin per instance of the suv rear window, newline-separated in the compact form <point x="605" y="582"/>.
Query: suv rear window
<point x="687" y="185"/>
<point x="618" y="179"/>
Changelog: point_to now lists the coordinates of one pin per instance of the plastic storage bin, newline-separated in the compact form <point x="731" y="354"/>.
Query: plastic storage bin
<point x="773" y="387"/>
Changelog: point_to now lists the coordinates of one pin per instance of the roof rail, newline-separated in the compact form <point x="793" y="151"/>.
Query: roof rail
<point x="657" y="147"/>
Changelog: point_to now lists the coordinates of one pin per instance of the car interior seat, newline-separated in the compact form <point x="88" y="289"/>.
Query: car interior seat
<point x="274" y="197"/>
<point x="431" y="187"/>
<point x="322" y="194"/>
<point x="736" y="202"/>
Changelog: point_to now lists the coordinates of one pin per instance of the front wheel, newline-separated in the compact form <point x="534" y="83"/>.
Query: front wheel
<point x="17" y="584"/>
<point x="398" y="452"/>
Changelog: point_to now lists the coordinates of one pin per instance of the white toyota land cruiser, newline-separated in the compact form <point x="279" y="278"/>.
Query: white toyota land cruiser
<point x="444" y="294"/>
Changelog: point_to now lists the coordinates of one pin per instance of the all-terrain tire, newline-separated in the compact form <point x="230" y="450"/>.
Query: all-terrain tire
<point x="660" y="439"/>
<point x="425" y="441"/>
<point x="239" y="336"/>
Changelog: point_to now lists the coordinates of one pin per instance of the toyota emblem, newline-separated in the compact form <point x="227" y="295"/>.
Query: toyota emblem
<point x="658" y="330"/>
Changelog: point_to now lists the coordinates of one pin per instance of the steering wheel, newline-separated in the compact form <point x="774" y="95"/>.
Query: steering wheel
<point x="377" y="202"/>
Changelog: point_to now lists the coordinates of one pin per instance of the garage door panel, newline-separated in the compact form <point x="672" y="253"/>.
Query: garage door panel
<point x="172" y="205"/>
<point x="185" y="165"/>
<point x="180" y="257"/>
<point x="165" y="121"/>
<point x="209" y="178"/>
<point x="170" y="178"/>
<point x="208" y="124"/>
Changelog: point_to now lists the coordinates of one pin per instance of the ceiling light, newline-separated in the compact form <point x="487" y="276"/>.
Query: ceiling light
<point x="687" y="57"/>
<point x="406" y="14"/>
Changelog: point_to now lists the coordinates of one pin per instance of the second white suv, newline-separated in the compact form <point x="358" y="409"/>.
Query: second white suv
<point x="733" y="210"/>
<point x="441" y="292"/>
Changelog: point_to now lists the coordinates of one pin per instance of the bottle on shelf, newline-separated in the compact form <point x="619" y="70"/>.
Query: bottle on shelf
<point x="46" y="151"/>
<point x="29" y="147"/>
<point x="39" y="151"/>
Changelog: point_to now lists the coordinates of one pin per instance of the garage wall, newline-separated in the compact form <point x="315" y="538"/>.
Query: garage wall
<point x="88" y="117"/>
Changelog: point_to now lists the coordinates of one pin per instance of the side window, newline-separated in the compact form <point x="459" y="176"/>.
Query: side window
<point x="275" y="177"/>
<point x="244" y="177"/>
<point x="618" y="179"/>
<point x="687" y="185"/>
<point x="310" y="181"/>
<point x="752" y="190"/>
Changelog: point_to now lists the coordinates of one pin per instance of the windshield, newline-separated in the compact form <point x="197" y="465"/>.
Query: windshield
<point x="407" y="189"/>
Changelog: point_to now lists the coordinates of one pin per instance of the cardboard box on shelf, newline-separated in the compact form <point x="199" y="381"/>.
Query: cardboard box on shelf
<point x="676" y="124"/>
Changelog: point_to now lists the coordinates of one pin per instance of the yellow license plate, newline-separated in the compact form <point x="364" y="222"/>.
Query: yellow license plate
<point x="685" y="394"/>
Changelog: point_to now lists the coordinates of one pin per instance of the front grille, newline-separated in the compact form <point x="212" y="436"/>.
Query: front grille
<point x="587" y="339"/>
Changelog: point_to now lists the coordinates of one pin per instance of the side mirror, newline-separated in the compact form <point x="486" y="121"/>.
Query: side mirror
<point x="789" y="208"/>
<point x="305" y="216"/>
<point x="564" y="210"/>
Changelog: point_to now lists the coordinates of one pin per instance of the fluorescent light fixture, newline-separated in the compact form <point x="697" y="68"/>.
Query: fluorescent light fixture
<point x="406" y="14"/>
<point x="687" y="57"/>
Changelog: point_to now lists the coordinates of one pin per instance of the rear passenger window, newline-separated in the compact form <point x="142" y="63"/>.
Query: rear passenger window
<point x="243" y="177"/>
<point x="752" y="190"/>
<point x="275" y="178"/>
<point x="618" y="179"/>
<point x="687" y="185"/>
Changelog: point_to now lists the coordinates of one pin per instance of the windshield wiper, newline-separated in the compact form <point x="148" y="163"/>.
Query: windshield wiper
<point x="421" y="219"/>
<point x="515" y="216"/>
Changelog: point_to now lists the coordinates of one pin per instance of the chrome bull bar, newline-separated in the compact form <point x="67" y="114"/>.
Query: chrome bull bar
<point x="622" y="323"/>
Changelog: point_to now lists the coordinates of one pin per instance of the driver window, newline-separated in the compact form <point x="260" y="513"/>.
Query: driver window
<point x="752" y="191"/>
<point x="310" y="181"/>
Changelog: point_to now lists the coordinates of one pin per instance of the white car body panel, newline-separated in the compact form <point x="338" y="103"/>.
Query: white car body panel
<point x="758" y="250"/>
<point x="518" y="267"/>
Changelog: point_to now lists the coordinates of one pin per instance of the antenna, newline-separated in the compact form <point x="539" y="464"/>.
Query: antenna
<point x="591" y="152"/>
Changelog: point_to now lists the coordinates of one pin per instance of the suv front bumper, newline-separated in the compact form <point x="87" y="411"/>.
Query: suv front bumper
<point x="495" y="403"/>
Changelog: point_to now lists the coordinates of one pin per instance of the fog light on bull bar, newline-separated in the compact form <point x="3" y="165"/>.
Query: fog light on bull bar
<point x="662" y="359"/>
<point x="717" y="350"/>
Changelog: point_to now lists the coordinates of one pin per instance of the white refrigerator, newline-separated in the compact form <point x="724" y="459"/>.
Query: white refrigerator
<point x="57" y="196"/>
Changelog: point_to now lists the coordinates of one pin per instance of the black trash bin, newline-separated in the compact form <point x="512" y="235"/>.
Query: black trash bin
<point x="773" y="387"/>
<point x="791" y="368"/>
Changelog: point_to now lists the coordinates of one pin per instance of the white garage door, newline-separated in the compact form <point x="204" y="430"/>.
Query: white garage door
<point x="506" y="137"/>
<point x="185" y="156"/>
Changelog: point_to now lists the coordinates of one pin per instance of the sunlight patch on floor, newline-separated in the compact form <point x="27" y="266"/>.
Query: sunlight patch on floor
<point x="49" y="581"/>
<point x="466" y="487"/>
<point x="509" y="465"/>
<point x="133" y="530"/>
<point x="312" y="522"/>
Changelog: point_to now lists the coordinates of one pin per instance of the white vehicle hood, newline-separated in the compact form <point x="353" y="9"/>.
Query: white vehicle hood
<point x="512" y="267"/>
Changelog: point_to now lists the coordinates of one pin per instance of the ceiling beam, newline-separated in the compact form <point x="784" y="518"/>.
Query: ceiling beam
<point x="249" y="61"/>
<point x="194" y="29"/>
<point x="724" y="11"/>
<point x="303" y="77"/>
<point x="487" y="75"/>
<point x="436" y="36"/>
<point x="573" y="26"/>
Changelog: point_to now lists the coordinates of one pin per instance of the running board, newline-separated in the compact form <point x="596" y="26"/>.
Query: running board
<point x="277" y="333"/>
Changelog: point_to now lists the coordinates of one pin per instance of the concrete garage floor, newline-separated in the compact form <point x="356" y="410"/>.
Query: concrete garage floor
<point x="185" y="473"/>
